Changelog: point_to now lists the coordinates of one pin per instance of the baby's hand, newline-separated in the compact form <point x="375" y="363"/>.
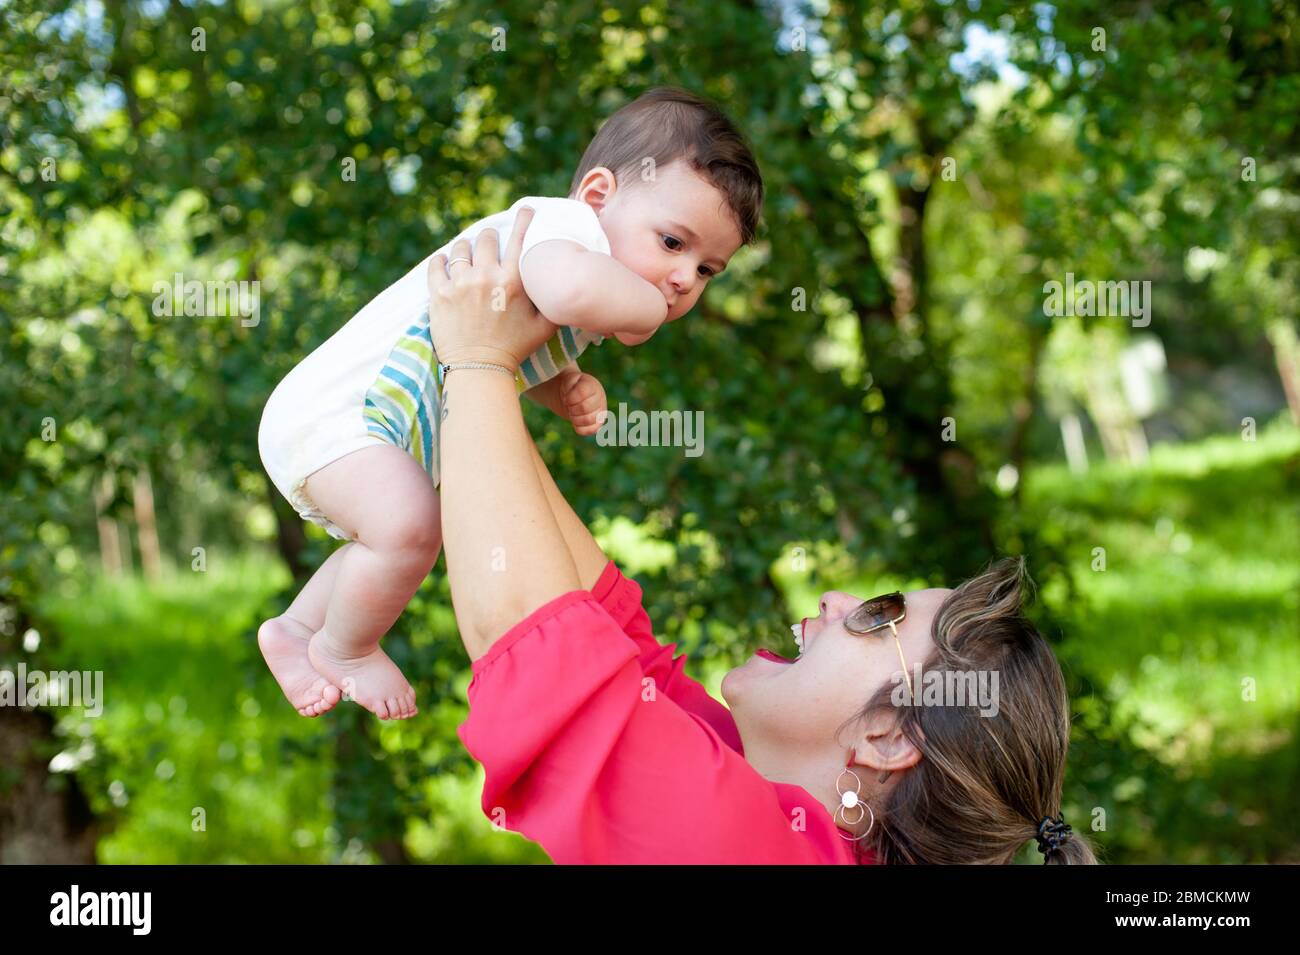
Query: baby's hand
<point x="584" y="403"/>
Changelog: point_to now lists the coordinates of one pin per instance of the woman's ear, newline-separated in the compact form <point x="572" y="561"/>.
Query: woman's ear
<point x="597" y="188"/>
<point x="882" y="745"/>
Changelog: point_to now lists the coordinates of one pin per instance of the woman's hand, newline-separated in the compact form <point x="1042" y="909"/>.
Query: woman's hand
<point x="480" y="311"/>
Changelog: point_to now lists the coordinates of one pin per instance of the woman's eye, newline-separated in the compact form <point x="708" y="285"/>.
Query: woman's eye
<point x="673" y="243"/>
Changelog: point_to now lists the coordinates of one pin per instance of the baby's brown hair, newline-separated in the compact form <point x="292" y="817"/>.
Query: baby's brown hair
<point x="666" y="124"/>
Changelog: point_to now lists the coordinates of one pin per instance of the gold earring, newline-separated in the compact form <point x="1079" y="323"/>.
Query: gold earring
<point x="851" y="800"/>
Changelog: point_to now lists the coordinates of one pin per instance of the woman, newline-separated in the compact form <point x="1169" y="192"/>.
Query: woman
<point x="598" y="746"/>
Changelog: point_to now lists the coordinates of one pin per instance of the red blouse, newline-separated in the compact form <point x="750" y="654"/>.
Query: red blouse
<point x="599" y="747"/>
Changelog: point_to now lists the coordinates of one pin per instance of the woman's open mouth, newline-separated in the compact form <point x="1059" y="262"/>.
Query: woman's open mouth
<point x="797" y="630"/>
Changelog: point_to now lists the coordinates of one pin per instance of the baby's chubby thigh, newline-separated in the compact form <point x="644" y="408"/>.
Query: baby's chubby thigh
<point x="386" y="501"/>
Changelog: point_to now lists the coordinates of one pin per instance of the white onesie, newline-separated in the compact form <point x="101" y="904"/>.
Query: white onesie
<point x="374" y="381"/>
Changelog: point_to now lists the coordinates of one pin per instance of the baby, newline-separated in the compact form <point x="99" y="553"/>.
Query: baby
<point x="665" y="194"/>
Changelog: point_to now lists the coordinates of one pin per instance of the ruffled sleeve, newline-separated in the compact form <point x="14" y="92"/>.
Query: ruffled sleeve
<point x="621" y="596"/>
<point x="590" y="756"/>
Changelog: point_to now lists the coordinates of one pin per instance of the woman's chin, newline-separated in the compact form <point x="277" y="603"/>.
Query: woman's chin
<point x="756" y="668"/>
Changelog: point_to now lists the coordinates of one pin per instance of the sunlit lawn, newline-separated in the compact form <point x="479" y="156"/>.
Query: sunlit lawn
<point x="1193" y="624"/>
<point x="186" y="761"/>
<point x="1185" y="637"/>
<point x="1187" y="644"/>
<point x="197" y="756"/>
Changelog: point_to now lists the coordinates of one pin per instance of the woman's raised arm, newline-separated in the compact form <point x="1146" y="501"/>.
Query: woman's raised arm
<point x="506" y="555"/>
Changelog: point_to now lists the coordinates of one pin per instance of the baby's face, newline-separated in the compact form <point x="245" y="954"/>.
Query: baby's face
<point x="675" y="231"/>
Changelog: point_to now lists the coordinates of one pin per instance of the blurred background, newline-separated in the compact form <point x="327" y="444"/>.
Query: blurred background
<point x="888" y="401"/>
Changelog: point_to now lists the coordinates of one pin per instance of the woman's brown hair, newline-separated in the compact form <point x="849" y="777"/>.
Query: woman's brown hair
<point x="983" y="783"/>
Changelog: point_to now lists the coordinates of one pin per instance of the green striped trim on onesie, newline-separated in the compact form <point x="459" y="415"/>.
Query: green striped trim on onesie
<point x="402" y="406"/>
<point x="562" y="348"/>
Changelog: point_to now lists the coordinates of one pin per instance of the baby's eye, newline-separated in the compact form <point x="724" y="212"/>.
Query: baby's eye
<point x="674" y="244"/>
<point x="706" y="271"/>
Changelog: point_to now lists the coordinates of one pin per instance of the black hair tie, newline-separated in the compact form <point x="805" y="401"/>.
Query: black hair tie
<point x="1052" y="834"/>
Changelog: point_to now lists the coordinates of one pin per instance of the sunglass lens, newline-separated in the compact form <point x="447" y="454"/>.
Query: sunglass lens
<point x="876" y="612"/>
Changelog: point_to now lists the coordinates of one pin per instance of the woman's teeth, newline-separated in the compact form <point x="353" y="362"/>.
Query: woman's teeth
<point x="797" y="630"/>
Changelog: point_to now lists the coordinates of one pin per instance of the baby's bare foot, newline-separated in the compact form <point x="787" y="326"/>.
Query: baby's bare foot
<point x="283" y="642"/>
<point x="371" y="679"/>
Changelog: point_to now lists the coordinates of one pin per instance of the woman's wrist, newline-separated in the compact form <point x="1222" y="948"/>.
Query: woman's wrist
<point x="446" y="368"/>
<point x="480" y="353"/>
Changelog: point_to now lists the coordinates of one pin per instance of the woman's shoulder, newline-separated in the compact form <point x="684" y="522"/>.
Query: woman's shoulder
<point x="809" y="817"/>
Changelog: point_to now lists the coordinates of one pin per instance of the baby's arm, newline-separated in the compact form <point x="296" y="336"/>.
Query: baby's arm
<point x="575" y="396"/>
<point x="573" y="286"/>
<point x="550" y="393"/>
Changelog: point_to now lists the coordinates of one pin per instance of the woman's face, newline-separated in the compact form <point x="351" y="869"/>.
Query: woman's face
<point x="798" y="706"/>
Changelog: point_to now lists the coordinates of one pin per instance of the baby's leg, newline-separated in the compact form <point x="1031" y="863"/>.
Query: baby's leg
<point x="384" y="499"/>
<point x="283" y="642"/>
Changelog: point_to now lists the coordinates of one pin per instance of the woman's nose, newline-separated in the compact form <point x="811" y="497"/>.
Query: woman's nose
<point x="835" y="602"/>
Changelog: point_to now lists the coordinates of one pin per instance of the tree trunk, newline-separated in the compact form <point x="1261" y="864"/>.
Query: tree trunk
<point x="1023" y="412"/>
<point x="1076" y="451"/>
<point x="1286" y="351"/>
<point x="290" y="537"/>
<point x="146" y="526"/>
<point x="954" y="528"/>
<point x="110" y="544"/>
<point x="44" y="816"/>
<point x="363" y="786"/>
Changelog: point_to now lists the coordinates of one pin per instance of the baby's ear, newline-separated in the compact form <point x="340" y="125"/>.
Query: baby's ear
<point x="597" y="187"/>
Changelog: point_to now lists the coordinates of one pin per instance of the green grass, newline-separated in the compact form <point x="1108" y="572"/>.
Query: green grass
<point x="1190" y="636"/>
<point x="189" y="760"/>
<point x="192" y="720"/>
<point x="1184" y="651"/>
<point x="1197" y="603"/>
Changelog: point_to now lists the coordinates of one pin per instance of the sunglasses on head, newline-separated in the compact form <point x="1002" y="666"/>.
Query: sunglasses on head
<point x="876" y="614"/>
